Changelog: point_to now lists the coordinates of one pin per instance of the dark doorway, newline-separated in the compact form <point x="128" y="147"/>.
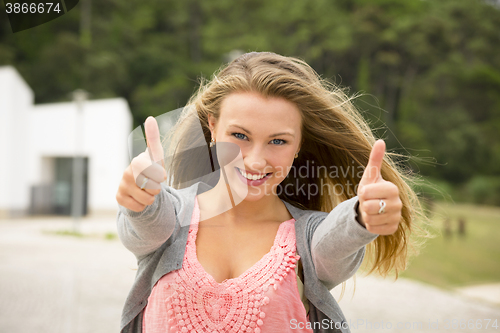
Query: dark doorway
<point x="56" y="197"/>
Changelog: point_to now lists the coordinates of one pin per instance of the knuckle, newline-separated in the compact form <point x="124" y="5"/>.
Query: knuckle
<point x="394" y="189"/>
<point x="134" y="163"/>
<point x="128" y="175"/>
<point x="143" y="155"/>
<point x="362" y="195"/>
<point x="400" y="204"/>
<point x="138" y="164"/>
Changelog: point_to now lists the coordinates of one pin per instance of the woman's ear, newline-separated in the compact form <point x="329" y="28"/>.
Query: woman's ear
<point x="211" y="123"/>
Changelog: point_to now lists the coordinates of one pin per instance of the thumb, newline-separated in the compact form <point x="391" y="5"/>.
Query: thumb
<point x="153" y="141"/>
<point x="372" y="172"/>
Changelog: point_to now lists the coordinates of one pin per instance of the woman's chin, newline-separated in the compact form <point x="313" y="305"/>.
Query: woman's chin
<point x="242" y="191"/>
<point x="249" y="193"/>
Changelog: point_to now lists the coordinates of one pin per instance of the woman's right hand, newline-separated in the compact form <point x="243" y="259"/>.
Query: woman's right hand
<point x="148" y="164"/>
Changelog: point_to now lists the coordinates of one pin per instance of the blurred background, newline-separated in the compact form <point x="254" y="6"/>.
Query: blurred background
<point x="428" y="78"/>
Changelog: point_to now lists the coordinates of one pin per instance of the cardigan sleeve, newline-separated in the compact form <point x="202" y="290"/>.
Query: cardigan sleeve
<point x="338" y="244"/>
<point x="144" y="232"/>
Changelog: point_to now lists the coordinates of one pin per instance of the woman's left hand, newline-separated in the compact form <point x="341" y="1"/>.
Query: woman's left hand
<point x="373" y="191"/>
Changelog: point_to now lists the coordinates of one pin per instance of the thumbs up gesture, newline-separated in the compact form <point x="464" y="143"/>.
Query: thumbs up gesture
<point x="142" y="178"/>
<point x="379" y="209"/>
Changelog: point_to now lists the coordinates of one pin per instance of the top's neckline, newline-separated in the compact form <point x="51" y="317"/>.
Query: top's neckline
<point x="251" y="269"/>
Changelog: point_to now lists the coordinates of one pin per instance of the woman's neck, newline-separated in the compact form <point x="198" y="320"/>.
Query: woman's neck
<point x="224" y="204"/>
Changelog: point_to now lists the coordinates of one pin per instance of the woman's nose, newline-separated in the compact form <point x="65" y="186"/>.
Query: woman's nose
<point x="255" y="159"/>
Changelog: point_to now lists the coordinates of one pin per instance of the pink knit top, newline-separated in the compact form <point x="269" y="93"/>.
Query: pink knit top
<point x="264" y="299"/>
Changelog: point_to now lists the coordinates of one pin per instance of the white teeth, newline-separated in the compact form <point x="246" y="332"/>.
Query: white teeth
<point x="249" y="176"/>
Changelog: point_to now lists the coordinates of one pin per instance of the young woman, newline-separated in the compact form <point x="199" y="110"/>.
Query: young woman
<point x="302" y="189"/>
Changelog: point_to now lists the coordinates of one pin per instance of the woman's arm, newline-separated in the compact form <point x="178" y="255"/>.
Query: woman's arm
<point x="144" y="232"/>
<point x="338" y="244"/>
<point x="146" y="216"/>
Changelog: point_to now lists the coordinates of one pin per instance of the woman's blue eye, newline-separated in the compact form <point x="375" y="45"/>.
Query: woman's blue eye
<point x="278" y="141"/>
<point x="243" y="137"/>
<point x="239" y="136"/>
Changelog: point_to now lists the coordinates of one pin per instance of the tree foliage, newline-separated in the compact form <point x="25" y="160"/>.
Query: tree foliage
<point x="429" y="70"/>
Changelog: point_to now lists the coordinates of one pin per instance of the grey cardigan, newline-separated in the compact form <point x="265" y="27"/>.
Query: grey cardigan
<point x="331" y="247"/>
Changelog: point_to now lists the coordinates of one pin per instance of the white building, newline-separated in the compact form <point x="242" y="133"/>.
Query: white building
<point x="38" y="143"/>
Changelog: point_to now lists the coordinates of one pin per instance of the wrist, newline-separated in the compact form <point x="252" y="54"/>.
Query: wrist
<point x="359" y="219"/>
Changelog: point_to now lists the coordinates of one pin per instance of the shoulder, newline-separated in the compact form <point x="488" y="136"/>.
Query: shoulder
<point x="306" y="220"/>
<point x="301" y="213"/>
<point x="184" y="199"/>
<point x="310" y="219"/>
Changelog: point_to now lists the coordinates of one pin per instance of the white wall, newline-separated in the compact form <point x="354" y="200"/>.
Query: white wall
<point x="31" y="135"/>
<point x="16" y="100"/>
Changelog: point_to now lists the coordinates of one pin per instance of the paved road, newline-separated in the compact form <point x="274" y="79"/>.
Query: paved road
<point x="52" y="283"/>
<point x="63" y="284"/>
<point x="382" y="305"/>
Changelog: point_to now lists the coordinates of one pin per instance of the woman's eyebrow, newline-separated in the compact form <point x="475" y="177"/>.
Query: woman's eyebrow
<point x="272" y="135"/>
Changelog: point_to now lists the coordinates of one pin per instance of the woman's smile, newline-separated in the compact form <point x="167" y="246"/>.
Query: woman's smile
<point x="252" y="179"/>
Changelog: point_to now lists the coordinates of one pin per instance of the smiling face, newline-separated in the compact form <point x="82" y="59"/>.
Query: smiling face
<point x="268" y="133"/>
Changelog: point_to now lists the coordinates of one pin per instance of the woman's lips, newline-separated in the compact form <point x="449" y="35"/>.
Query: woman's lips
<point x="249" y="182"/>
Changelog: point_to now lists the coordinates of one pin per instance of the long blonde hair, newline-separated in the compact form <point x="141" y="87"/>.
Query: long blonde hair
<point x="334" y="134"/>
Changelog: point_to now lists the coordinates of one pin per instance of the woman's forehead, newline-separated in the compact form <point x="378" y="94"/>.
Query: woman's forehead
<point x="247" y="106"/>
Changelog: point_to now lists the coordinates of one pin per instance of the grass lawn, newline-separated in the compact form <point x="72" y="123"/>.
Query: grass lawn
<point x="458" y="261"/>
